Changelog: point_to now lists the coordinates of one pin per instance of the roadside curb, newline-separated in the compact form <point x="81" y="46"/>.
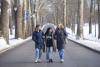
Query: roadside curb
<point x="14" y="46"/>
<point x="83" y="44"/>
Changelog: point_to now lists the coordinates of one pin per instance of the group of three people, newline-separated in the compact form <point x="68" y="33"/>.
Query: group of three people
<point x="47" y="40"/>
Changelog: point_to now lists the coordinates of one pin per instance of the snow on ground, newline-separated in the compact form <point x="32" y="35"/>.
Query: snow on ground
<point x="90" y="40"/>
<point x="92" y="37"/>
<point x="70" y="34"/>
<point x="3" y="43"/>
<point x="12" y="41"/>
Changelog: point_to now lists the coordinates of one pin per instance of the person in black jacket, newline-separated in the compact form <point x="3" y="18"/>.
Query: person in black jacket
<point x="49" y="44"/>
<point x="60" y="36"/>
<point x="37" y="37"/>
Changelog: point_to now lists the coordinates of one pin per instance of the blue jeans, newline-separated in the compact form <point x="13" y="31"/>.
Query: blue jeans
<point x="61" y="54"/>
<point x="49" y="53"/>
<point x="38" y="53"/>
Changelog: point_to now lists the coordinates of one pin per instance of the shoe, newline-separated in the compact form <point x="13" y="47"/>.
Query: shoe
<point x="36" y="61"/>
<point x="50" y="60"/>
<point x="61" y="60"/>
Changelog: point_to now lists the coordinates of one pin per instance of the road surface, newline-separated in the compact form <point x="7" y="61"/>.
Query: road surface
<point x="75" y="56"/>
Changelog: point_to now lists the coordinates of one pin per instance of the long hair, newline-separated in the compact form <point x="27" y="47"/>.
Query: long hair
<point x="61" y="26"/>
<point x="48" y="30"/>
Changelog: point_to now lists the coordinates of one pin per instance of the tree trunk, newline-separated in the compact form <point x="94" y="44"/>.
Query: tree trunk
<point x="0" y="23"/>
<point x="80" y="19"/>
<point x="56" y="14"/>
<point x="98" y="19"/>
<point x="65" y="12"/>
<point x="25" y="28"/>
<point x="5" y="23"/>
<point x="33" y="12"/>
<point x="0" y="26"/>
<point x="15" y="17"/>
<point x="29" y="20"/>
<point x="95" y="17"/>
<point x="73" y="25"/>
<point x="90" y="22"/>
<point x="11" y="18"/>
<point x="19" y="18"/>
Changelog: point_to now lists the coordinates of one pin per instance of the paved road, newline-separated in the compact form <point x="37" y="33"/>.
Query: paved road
<point x="75" y="56"/>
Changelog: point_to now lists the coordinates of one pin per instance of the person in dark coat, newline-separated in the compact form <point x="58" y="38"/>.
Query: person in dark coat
<point x="49" y="39"/>
<point x="60" y="36"/>
<point x="37" y="37"/>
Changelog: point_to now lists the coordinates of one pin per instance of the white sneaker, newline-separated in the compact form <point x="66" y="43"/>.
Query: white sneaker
<point x="62" y="60"/>
<point x="36" y="61"/>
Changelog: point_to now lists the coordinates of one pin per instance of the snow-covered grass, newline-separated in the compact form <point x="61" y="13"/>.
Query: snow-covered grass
<point x="12" y="41"/>
<point x="90" y="40"/>
<point x="3" y="43"/>
<point x="92" y="37"/>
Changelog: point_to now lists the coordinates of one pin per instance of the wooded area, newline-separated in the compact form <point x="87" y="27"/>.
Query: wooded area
<point x="23" y="15"/>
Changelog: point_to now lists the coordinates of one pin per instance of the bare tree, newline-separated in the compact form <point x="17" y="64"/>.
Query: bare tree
<point x="65" y="12"/>
<point x="80" y="19"/>
<point x="19" y="32"/>
<point x="33" y="13"/>
<point x="0" y="20"/>
<point x="98" y="18"/>
<point x="11" y="17"/>
<point x="25" y="18"/>
<point x="5" y="23"/>
<point x="29" y="30"/>
<point x="90" y="22"/>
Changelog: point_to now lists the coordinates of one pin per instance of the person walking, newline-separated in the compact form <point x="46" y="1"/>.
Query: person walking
<point x="49" y="39"/>
<point x="60" y="36"/>
<point x="37" y="37"/>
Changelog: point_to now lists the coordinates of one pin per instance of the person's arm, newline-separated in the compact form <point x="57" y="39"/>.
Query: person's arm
<point x="54" y="44"/>
<point x="44" y="39"/>
<point x="34" y="36"/>
<point x="65" y="33"/>
<point x="43" y="35"/>
<point x="55" y="34"/>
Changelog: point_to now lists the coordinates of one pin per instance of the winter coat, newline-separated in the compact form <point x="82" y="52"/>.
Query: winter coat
<point x="60" y="36"/>
<point x="37" y="37"/>
<point x="49" y="39"/>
